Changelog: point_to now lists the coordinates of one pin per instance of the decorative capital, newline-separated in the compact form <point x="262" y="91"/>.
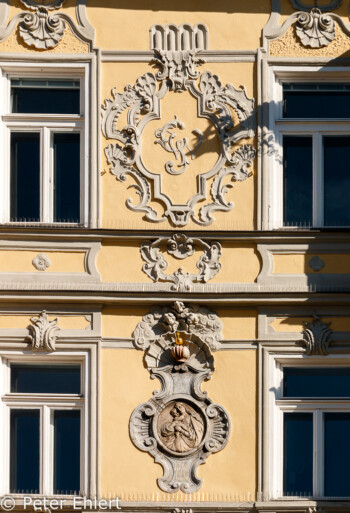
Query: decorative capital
<point x="177" y="67"/>
<point x="43" y="332"/>
<point x="316" y="337"/>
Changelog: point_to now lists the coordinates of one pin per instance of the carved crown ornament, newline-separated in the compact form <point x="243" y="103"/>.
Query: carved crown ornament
<point x="230" y="113"/>
<point x="180" y="247"/>
<point x="313" y="27"/>
<point x="179" y="426"/>
<point x="316" y="337"/>
<point x="41" y="29"/>
<point x="43" y="333"/>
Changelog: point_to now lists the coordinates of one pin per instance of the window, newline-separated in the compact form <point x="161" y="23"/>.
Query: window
<point x="45" y="412"/>
<point x="311" y="445"/>
<point x="312" y="127"/>
<point x="45" y="147"/>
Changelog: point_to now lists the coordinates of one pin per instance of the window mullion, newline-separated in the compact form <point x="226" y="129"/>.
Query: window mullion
<point x="46" y="178"/>
<point x="46" y="451"/>
<point x="317" y="180"/>
<point x="318" y="454"/>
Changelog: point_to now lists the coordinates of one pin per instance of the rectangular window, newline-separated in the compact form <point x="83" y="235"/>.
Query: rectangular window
<point x="312" y="127"/>
<point x="44" y="122"/>
<point x="312" y="415"/>
<point x="297" y="454"/>
<point x="25" y="451"/>
<point x="46" y="407"/>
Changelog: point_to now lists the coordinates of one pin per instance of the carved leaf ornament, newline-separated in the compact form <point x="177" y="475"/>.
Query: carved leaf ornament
<point x="179" y="426"/>
<point x="215" y="102"/>
<point x="43" y="332"/>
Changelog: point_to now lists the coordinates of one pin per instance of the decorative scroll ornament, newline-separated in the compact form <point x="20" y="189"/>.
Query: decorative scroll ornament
<point x="41" y="29"/>
<point x="215" y="102"/>
<point x="41" y="262"/>
<point x="166" y="138"/>
<point x="179" y="426"/>
<point x="316" y="337"/>
<point x="315" y="29"/>
<point x="180" y="247"/>
<point x="43" y="332"/>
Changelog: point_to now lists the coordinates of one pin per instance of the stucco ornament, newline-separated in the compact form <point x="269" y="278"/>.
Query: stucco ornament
<point x="41" y="262"/>
<point x="179" y="426"/>
<point x="167" y="135"/>
<point x="215" y="101"/>
<point x="316" y="263"/>
<point x="315" y="29"/>
<point x="180" y="246"/>
<point x="316" y="337"/>
<point x="41" y="29"/>
<point x="43" y="332"/>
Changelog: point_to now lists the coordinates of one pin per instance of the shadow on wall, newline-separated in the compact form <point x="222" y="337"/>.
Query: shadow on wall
<point x="229" y="6"/>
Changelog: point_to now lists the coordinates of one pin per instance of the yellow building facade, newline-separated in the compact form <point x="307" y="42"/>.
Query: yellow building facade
<point x="174" y="255"/>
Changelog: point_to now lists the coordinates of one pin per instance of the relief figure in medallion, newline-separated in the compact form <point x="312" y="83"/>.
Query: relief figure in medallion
<point x="184" y="431"/>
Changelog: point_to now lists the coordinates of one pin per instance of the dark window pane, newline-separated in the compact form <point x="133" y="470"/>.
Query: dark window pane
<point x="25" y="177"/>
<point x="45" y="97"/>
<point x="67" y="452"/>
<point x="316" y="382"/>
<point x="316" y="100"/>
<point x="297" y="193"/>
<point x="24" y="451"/>
<point x="45" y="379"/>
<point x="337" y="454"/>
<point x="298" y="449"/>
<point x="67" y="178"/>
<point x="336" y="180"/>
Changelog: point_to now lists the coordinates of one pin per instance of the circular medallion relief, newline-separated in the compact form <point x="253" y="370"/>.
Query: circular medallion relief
<point x="180" y="427"/>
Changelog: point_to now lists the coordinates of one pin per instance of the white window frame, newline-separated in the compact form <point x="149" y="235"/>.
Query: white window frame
<point x="304" y="127"/>
<point x="46" y="403"/>
<point x="47" y="125"/>
<point x="277" y="406"/>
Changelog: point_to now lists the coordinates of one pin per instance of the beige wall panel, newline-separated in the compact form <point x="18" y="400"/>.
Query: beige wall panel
<point x="121" y="322"/>
<point x="296" y="324"/>
<point x="131" y="474"/>
<point x="122" y="262"/>
<point x="299" y="264"/>
<point x="238" y="324"/>
<point x="231" y="23"/>
<point x="115" y="214"/>
<point x="240" y="264"/>
<point x="61" y="262"/>
<point x="23" y="321"/>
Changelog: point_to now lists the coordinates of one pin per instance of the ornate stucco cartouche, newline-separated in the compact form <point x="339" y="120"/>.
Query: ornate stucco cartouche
<point x="179" y="426"/>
